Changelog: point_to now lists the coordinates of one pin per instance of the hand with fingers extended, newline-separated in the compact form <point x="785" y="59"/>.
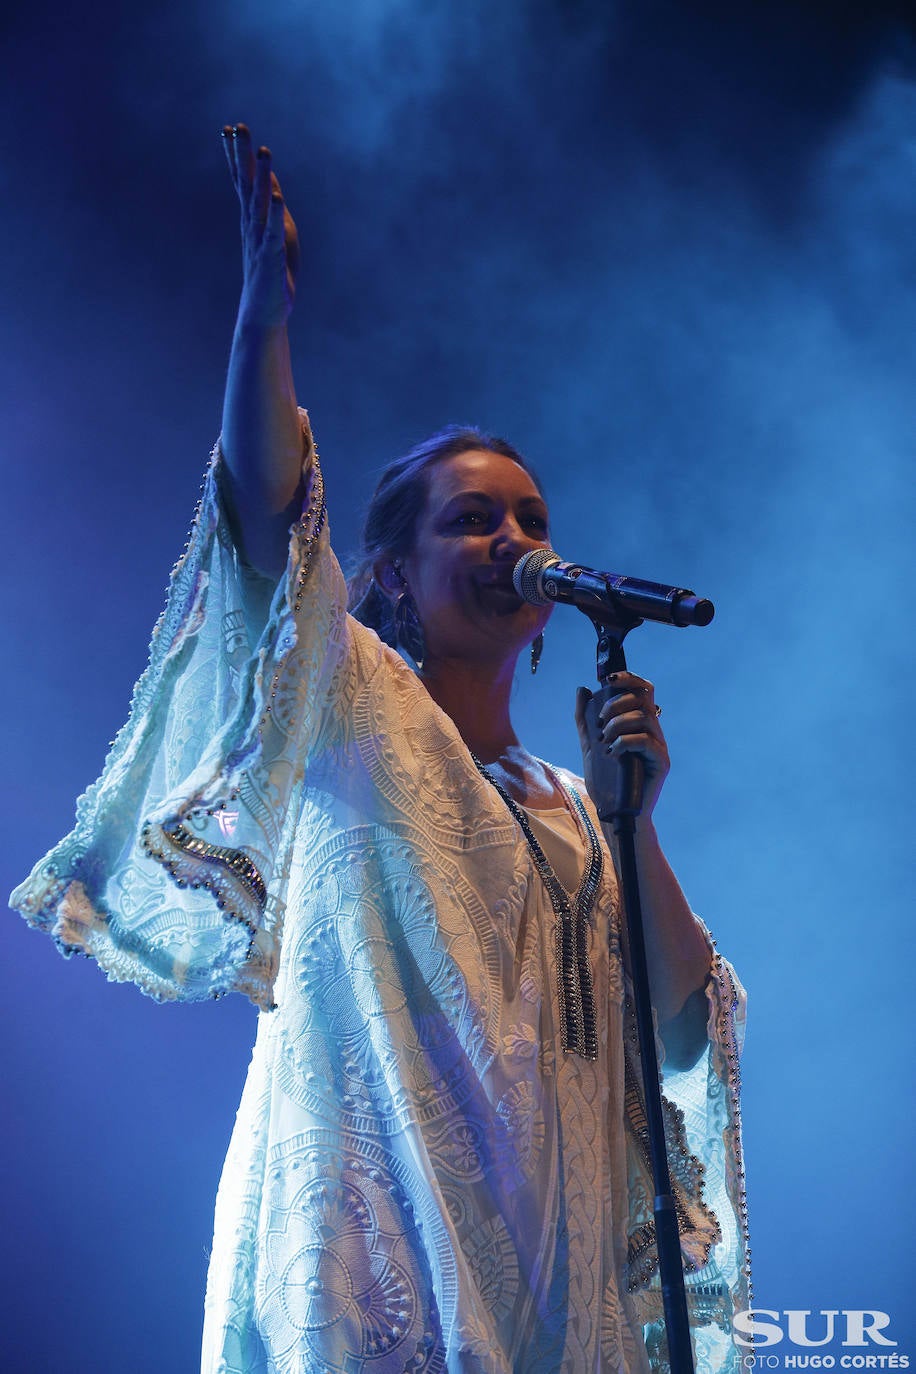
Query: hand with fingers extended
<point x="619" y="719"/>
<point x="270" y="243"/>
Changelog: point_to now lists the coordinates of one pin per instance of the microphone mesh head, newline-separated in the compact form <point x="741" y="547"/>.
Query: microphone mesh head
<point x="526" y="577"/>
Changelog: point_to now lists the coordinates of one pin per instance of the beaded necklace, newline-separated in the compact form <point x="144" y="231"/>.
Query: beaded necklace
<point x="578" y="1026"/>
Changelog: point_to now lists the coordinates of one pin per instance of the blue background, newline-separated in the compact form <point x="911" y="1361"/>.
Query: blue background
<point x="668" y="250"/>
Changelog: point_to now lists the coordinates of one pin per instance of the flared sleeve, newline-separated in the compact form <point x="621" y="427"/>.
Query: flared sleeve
<point x="175" y="873"/>
<point x="702" y="1114"/>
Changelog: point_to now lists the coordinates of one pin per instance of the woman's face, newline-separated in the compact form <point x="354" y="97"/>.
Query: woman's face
<point x="483" y="512"/>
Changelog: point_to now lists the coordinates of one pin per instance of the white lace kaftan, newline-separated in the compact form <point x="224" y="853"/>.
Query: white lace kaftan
<point x="419" y="1178"/>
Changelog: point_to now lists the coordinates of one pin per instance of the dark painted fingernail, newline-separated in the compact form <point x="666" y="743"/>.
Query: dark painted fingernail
<point x="263" y="152"/>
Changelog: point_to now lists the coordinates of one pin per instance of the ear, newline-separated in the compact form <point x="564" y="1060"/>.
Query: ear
<point x="389" y="578"/>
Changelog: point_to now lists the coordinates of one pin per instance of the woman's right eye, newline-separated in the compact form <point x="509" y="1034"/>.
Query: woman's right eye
<point x="470" y="518"/>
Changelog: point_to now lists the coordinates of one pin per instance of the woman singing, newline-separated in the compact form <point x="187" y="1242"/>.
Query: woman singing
<point x="439" y="1161"/>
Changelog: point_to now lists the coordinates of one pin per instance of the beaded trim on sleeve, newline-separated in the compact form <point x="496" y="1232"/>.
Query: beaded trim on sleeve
<point x="726" y="1031"/>
<point x="311" y="523"/>
<point x="196" y="863"/>
<point x="576" y="994"/>
<point x="687" y="1187"/>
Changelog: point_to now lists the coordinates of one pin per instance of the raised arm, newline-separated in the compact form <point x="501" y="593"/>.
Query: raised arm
<point x="262" y="438"/>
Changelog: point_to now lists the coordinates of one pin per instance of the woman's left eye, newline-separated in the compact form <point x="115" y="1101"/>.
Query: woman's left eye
<point x="538" y="523"/>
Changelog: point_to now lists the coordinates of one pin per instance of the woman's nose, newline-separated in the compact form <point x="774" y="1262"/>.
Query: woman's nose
<point x="511" y="541"/>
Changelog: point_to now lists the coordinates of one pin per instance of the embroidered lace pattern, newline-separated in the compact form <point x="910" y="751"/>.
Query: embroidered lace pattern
<point x="419" y="1177"/>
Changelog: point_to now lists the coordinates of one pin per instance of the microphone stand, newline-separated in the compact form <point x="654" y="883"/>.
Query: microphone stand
<point x="611" y="630"/>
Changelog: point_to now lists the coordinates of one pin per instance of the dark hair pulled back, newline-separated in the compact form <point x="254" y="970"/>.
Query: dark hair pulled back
<point x="390" y="529"/>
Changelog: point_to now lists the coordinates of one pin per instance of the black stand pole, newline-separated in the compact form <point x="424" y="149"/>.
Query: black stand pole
<point x="628" y="806"/>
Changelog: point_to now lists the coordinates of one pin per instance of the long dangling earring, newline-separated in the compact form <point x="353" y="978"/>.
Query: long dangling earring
<point x="407" y="627"/>
<point x="537" y="648"/>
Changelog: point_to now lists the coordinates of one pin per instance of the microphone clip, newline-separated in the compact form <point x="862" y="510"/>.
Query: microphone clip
<point x="612" y="627"/>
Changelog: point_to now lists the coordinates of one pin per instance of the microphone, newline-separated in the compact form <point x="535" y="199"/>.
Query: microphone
<point x="541" y="577"/>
